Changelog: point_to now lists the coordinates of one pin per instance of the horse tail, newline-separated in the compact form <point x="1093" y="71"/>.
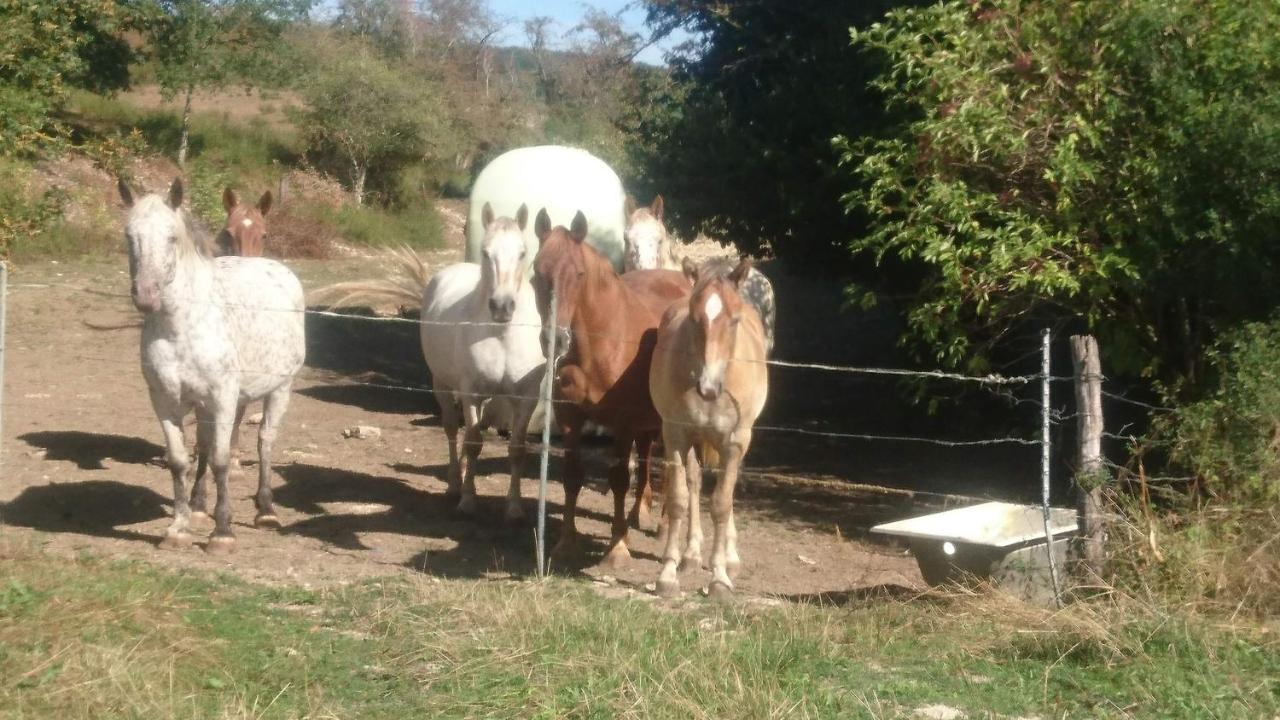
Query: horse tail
<point x="405" y="285"/>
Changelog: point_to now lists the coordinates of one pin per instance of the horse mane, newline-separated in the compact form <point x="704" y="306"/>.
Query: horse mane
<point x="199" y="239"/>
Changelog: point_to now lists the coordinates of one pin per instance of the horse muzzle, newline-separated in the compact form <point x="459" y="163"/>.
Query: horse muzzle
<point x="501" y="309"/>
<point x="146" y="298"/>
<point x="564" y="338"/>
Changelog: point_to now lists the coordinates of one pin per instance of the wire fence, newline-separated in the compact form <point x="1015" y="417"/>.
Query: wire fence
<point x="998" y="383"/>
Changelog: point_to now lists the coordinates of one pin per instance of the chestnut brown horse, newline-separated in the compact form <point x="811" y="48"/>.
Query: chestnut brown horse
<point x="606" y="326"/>
<point x="246" y="229"/>
<point x="709" y="382"/>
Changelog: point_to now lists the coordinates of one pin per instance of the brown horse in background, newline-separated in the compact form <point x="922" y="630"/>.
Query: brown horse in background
<point x="607" y="326"/>
<point x="246" y="229"/>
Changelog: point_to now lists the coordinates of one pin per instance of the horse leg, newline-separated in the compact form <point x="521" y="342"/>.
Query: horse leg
<point x="274" y="406"/>
<point x="236" y="453"/>
<point x="675" y="507"/>
<point x="177" y="536"/>
<point x="567" y="546"/>
<point x="222" y="541"/>
<point x="693" y="550"/>
<point x="523" y="413"/>
<point x="641" y="517"/>
<point x="722" y="514"/>
<point x="472" y="441"/>
<point x="449" y="420"/>
<point x="204" y="440"/>
<point x="619" y="483"/>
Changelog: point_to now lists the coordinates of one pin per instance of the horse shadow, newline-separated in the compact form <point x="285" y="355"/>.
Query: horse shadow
<point x="92" y="507"/>
<point x="476" y="546"/>
<point x="89" y="450"/>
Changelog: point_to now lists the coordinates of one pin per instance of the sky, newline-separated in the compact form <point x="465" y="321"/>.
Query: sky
<point x="567" y="13"/>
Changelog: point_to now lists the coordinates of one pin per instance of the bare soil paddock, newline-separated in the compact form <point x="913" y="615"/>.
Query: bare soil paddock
<point x="82" y="467"/>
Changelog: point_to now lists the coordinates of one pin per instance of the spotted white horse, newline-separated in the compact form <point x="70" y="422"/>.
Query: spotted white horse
<point x="217" y="335"/>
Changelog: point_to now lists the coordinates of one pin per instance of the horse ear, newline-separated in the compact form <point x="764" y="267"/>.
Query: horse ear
<point x="126" y="195"/>
<point x="542" y="225"/>
<point x="264" y="202"/>
<point x="629" y="207"/>
<point x="175" y="194"/>
<point x="690" y="270"/>
<point x="579" y="227"/>
<point x="740" y="273"/>
<point x="229" y="199"/>
<point x="657" y="207"/>
<point x="522" y="216"/>
<point x="486" y="216"/>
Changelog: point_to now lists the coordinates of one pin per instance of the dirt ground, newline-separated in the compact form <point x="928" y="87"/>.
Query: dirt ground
<point x="82" y="467"/>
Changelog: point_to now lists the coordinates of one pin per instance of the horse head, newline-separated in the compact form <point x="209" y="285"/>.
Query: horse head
<point x="159" y="237"/>
<point x="646" y="236"/>
<point x="246" y="226"/>
<point x="503" y="260"/>
<point x="715" y="308"/>
<point x="562" y="265"/>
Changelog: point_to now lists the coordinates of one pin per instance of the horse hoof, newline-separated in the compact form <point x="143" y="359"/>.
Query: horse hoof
<point x="467" y="506"/>
<point x="669" y="589"/>
<point x="565" y="553"/>
<point x="267" y="520"/>
<point x="618" y="557"/>
<point x="220" y="545"/>
<point x="175" y="541"/>
<point x="719" y="592"/>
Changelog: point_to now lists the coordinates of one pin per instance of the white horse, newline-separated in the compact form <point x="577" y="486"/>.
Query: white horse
<point x="480" y="332"/>
<point x="648" y="246"/>
<point x="563" y="180"/>
<point x="218" y="334"/>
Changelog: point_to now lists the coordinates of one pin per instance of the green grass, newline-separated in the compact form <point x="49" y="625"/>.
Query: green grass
<point x="93" y="638"/>
<point x="375" y="227"/>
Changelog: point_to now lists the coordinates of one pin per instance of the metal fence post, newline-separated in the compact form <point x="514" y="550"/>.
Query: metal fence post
<point x="1045" y="447"/>
<point x="540" y="542"/>
<point x="4" y="293"/>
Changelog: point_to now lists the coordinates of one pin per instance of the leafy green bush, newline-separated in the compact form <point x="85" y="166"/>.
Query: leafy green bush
<point x="1231" y="437"/>
<point x="1107" y="164"/>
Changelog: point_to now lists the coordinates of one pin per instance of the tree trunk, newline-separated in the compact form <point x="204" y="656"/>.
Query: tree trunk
<point x="359" y="172"/>
<point x="186" y="127"/>
<point x="1088" y="382"/>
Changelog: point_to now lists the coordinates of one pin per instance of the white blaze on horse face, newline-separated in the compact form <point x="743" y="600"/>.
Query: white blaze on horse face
<point x="152" y="230"/>
<point x="644" y="243"/>
<point x="505" y="263"/>
<point x="247" y="223"/>
<point x="713" y="307"/>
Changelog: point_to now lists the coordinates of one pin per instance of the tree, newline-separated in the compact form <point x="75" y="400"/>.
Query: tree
<point x="1110" y="166"/>
<point x="45" y="48"/>
<point x="212" y="43"/>
<point x="362" y="116"/>
<point x="740" y="141"/>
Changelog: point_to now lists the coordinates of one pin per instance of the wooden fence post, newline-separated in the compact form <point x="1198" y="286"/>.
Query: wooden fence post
<point x="1088" y="383"/>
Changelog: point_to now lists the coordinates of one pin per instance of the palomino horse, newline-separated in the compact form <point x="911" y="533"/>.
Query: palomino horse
<point x="479" y="332"/>
<point x="246" y="228"/>
<point x="606" y="324"/>
<point x="709" y="382"/>
<point x="217" y="335"/>
<point x="648" y="246"/>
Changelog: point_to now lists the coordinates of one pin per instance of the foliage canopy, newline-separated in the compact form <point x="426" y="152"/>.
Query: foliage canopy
<point x="1108" y="165"/>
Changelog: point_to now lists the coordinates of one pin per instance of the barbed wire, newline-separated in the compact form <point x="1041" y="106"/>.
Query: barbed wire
<point x="993" y="379"/>
<point x="317" y="381"/>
